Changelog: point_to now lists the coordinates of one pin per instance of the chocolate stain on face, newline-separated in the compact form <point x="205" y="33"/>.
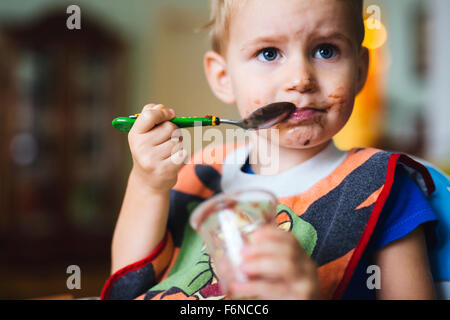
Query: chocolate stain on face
<point x="338" y="95"/>
<point x="334" y="104"/>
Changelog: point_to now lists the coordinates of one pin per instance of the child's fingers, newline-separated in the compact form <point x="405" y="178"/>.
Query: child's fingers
<point x="162" y="133"/>
<point x="178" y="159"/>
<point x="271" y="241"/>
<point x="273" y="248"/>
<point x="151" y="116"/>
<point x="168" y="148"/>
<point x="270" y="267"/>
<point x="274" y="254"/>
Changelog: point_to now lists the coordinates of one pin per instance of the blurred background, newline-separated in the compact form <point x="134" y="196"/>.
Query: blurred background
<point x="63" y="168"/>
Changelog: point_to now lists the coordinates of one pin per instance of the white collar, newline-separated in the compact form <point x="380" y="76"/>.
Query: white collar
<point x="288" y="183"/>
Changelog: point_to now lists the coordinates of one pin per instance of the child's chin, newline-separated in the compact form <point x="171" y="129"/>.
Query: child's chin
<point x="296" y="139"/>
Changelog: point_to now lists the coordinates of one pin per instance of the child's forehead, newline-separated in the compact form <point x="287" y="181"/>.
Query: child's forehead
<point x="259" y="18"/>
<point x="258" y="7"/>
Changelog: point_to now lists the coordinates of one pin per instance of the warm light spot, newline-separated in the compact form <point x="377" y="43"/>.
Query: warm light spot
<point x="375" y="37"/>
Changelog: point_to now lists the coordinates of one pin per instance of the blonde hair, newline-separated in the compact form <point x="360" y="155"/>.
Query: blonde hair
<point x="222" y="12"/>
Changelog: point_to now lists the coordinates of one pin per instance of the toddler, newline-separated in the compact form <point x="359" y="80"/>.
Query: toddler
<point x="339" y="213"/>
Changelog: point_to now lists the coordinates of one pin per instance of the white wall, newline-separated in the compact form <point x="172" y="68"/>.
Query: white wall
<point x="438" y="111"/>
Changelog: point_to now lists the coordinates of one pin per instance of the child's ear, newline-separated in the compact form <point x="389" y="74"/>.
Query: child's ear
<point x="363" y="68"/>
<point x="218" y="77"/>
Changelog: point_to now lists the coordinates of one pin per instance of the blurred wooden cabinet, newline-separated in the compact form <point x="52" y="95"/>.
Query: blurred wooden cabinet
<point x="61" y="160"/>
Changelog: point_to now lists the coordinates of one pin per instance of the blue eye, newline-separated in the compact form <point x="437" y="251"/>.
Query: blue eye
<point x="326" y="52"/>
<point x="268" y="54"/>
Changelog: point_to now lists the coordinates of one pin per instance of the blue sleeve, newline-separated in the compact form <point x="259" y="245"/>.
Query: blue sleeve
<point x="406" y="209"/>
<point x="440" y="202"/>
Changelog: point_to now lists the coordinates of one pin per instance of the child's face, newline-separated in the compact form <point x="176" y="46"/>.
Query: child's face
<point x="301" y="51"/>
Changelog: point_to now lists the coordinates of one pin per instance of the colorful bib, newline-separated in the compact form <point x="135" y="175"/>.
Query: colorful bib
<point x="333" y="221"/>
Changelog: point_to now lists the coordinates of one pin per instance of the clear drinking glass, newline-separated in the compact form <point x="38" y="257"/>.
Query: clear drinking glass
<point x="226" y="222"/>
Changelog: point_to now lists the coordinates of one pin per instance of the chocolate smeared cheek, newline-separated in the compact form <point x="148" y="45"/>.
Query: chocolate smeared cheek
<point x="320" y="121"/>
<point x="340" y="111"/>
<point x="338" y="96"/>
<point x="337" y="103"/>
<point x="297" y="137"/>
<point x="337" y="100"/>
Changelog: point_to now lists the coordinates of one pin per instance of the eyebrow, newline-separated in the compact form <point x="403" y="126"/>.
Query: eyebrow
<point x="273" y="39"/>
<point x="335" y="35"/>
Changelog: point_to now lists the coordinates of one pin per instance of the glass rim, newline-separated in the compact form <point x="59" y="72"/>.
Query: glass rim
<point x="197" y="215"/>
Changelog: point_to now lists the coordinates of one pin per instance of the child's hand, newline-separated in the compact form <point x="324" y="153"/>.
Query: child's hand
<point x="277" y="267"/>
<point x="156" y="157"/>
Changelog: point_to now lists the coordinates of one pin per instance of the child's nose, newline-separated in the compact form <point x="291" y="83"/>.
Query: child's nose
<point x="306" y="85"/>
<point x="299" y="76"/>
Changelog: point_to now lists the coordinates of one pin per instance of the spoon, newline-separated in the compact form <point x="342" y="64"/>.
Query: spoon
<point x="262" y="118"/>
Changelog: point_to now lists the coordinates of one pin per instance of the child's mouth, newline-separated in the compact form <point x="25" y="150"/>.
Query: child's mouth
<point x="305" y="114"/>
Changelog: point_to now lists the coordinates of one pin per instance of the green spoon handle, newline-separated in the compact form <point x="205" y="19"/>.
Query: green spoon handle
<point x="124" y="124"/>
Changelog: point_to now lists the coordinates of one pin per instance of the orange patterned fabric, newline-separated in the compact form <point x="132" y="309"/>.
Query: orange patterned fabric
<point x="301" y="202"/>
<point x="320" y="218"/>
